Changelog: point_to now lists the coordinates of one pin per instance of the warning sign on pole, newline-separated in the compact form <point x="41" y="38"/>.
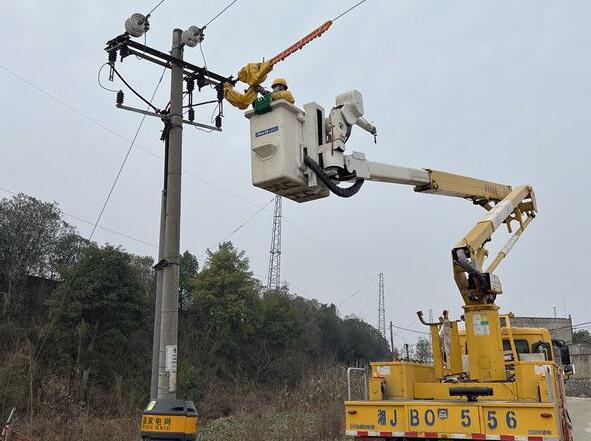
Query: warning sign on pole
<point x="171" y="358"/>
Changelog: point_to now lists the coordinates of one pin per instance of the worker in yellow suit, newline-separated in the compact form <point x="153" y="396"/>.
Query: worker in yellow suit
<point x="254" y="74"/>
<point x="280" y="91"/>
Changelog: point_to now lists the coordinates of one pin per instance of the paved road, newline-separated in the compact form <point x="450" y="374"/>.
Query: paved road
<point x="579" y="410"/>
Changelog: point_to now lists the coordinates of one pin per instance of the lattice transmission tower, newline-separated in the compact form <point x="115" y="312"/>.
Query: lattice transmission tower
<point x="381" y="307"/>
<point x="274" y="274"/>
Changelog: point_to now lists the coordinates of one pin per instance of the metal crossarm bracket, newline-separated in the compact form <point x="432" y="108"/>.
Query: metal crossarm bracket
<point x="167" y="117"/>
<point x="131" y="47"/>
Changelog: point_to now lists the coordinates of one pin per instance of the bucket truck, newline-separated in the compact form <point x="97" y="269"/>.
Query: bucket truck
<point x="481" y="384"/>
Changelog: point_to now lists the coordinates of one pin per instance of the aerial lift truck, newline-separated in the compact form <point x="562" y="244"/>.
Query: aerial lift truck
<point x="482" y="384"/>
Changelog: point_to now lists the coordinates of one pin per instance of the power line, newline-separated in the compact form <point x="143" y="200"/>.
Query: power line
<point x="69" y="107"/>
<point x="98" y="78"/>
<point x="185" y="171"/>
<point x="92" y="223"/>
<point x="347" y="11"/>
<point x="154" y="8"/>
<point x="137" y="132"/>
<point x="120" y="136"/>
<point x="570" y="326"/>
<point x="202" y="55"/>
<point x="136" y="93"/>
<point x="239" y="227"/>
<point x="329" y="254"/>
<point x="219" y="13"/>
<point x="410" y="330"/>
<point x="358" y="291"/>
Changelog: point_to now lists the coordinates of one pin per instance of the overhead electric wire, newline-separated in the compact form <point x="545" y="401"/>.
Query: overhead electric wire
<point x="149" y="103"/>
<point x="203" y="55"/>
<point x="154" y="8"/>
<point x="243" y="224"/>
<point x="91" y="223"/>
<point x="347" y="11"/>
<point x="218" y="14"/>
<point x="98" y="77"/>
<point x="584" y="324"/>
<point x="410" y="330"/>
<point x="358" y="291"/>
<point x="137" y="132"/>
<point x="68" y="106"/>
<point x="194" y="175"/>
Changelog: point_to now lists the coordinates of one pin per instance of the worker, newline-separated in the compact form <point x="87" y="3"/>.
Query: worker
<point x="280" y="91"/>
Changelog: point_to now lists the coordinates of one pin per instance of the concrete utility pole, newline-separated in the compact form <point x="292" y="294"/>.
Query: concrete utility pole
<point x="164" y="350"/>
<point x="158" y="297"/>
<point x="170" y="276"/>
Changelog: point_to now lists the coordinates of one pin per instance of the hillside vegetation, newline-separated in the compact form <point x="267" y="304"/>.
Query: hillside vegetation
<point x="76" y="334"/>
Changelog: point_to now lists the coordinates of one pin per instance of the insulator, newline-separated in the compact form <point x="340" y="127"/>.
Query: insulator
<point x="191" y="114"/>
<point x="120" y="97"/>
<point x="218" y="121"/>
<point x="190" y="85"/>
<point x="192" y="36"/>
<point x="220" y="90"/>
<point x="200" y="80"/>
<point x="112" y="56"/>
<point x="137" y="25"/>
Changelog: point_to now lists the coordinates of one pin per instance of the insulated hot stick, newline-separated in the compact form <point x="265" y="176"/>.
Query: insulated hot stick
<point x="301" y="43"/>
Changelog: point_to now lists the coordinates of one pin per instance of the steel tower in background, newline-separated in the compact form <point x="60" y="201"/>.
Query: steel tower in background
<point x="381" y="307"/>
<point x="274" y="274"/>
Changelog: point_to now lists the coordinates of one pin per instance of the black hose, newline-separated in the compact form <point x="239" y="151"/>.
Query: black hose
<point x="462" y="260"/>
<point x="339" y="191"/>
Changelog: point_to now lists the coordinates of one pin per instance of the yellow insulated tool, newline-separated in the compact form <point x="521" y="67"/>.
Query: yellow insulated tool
<point x="254" y="74"/>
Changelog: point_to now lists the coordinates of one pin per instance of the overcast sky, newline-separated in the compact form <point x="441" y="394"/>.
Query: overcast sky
<point x="497" y="90"/>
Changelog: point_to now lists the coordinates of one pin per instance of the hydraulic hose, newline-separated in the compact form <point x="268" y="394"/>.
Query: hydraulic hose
<point x="462" y="260"/>
<point x="325" y="179"/>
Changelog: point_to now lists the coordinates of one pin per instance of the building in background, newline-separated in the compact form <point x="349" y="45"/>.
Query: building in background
<point x="560" y="328"/>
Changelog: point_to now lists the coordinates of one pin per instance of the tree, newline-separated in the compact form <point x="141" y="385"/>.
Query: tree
<point x="189" y="269"/>
<point x="101" y="300"/>
<point x="225" y="309"/>
<point x="423" y="350"/>
<point x="582" y="336"/>
<point x="33" y="241"/>
<point x="363" y="342"/>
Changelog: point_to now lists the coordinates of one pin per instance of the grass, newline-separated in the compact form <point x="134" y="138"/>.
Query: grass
<point x="311" y="412"/>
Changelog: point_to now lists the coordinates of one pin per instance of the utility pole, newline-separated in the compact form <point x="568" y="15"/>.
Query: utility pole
<point x="164" y="350"/>
<point x="392" y="340"/>
<point x="381" y="307"/>
<point x="170" y="273"/>
<point x="274" y="274"/>
<point x="158" y="297"/>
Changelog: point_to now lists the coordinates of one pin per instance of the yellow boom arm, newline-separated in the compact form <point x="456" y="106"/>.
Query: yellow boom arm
<point x="505" y="205"/>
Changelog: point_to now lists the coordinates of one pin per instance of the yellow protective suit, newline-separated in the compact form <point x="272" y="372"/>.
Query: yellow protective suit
<point x="252" y="74"/>
<point x="237" y="99"/>
<point x="283" y="95"/>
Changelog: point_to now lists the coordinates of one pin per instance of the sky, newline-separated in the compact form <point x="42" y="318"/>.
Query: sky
<point x="497" y="90"/>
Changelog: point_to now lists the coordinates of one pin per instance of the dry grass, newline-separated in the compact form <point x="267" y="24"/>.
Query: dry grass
<point x="79" y="428"/>
<point x="312" y="412"/>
